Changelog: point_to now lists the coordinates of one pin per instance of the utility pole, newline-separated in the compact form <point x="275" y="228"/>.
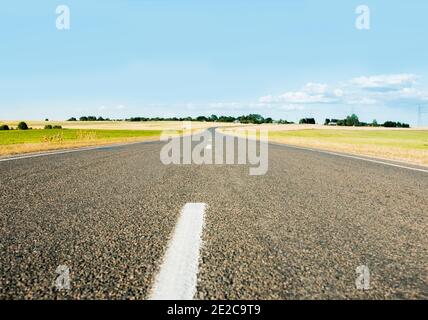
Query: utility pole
<point x="420" y="113"/>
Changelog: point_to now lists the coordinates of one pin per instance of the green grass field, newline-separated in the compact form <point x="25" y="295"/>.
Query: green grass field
<point x="24" y="141"/>
<point x="41" y="135"/>
<point x="405" y="145"/>
<point x="409" y="140"/>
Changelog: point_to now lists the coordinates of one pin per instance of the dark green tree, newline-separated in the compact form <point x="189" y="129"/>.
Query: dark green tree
<point x="22" y="126"/>
<point x="352" y="120"/>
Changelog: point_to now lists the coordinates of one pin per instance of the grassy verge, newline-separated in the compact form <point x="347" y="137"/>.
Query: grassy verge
<point x="17" y="141"/>
<point x="409" y="146"/>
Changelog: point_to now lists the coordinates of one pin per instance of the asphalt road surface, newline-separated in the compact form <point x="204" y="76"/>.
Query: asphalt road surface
<point x="298" y="232"/>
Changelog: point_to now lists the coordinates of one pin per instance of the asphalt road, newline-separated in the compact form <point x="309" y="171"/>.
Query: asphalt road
<point x="298" y="232"/>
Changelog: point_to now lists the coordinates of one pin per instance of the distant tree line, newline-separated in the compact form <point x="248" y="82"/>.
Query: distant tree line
<point x="50" y="127"/>
<point x="251" y="118"/>
<point x="21" y="126"/>
<point x="307" y="121"/>
<point x="349" y="121"/>
<point x="89" y="118"/>
<point x="393" y="124"/>
<point x="353" y="121"/>
<point x="144" y="119"/>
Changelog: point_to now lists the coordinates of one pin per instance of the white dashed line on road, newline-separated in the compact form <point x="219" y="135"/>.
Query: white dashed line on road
<point x="177" y="277"/>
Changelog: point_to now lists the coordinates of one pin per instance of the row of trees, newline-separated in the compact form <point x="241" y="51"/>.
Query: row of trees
<point x="307" y="121"/>
<point x="353" y="121"/>
<point x="21" y="126"/>
<point x="350" y="121"/>
<point x="89" y="118"/>
<point x="251" y="118"/>
<point x="50" y="127"/>
<point x="393" y="124"/>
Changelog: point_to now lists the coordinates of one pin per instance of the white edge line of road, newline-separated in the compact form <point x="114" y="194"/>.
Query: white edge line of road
<point x="342" y="155"/>
<point x="177" y="278"/>
<point x="351" y="157"/>
<point x="51" y="153"/>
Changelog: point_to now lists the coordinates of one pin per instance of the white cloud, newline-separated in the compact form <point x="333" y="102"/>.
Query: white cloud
<point x="338" y="92"/>
<point x="373" y="90"/>
<point x="388" y="90"/>
<point x="311" y="93"/>
<point x="385" y="82"/>
<point x="315" y="88"/>
<point x="302" y="97"/>
<point x="362" y="101"/>
<point x="352" y="92"/>
<point x="266" y="99"/>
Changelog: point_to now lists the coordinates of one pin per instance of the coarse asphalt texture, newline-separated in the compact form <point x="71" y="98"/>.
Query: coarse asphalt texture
<point x="298" y="232"/>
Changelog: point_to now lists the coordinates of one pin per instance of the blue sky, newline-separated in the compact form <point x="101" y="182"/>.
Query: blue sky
<point x="284" y="59"/>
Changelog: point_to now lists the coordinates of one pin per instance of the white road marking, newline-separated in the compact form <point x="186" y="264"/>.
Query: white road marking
<point x="344" y="155"/>
<point x="177" y="277"/>
<point x="355" y="157"/>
